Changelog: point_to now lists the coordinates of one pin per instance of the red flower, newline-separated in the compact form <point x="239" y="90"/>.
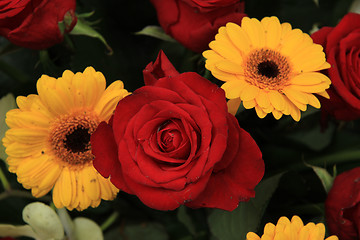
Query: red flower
<point x="194" y="23"/>
<point x="342" y="48"/>
<point x="173" y="142"/>
<point x="34" y="23"/>
<point x="343" y="206"/>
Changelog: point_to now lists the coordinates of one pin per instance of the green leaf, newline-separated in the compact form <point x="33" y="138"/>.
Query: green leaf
<point x="324" y="176"/>
<point x="156" y="32"/>
<point x="146" y="231"/>
<point x="246" y="217"/>
<point x="312" y="135"/>
<point x="184" y="218"/>
<point x="86" y="229"/>
<point x="83" y="28"/>
<point x="44" y="221"/>
<point x="6" y="103"/>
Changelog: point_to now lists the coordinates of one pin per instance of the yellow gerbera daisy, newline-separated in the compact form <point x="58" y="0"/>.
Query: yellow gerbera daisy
<point x="294" y="230"/>
<point x="269" y="66"/>
<point x="48" y="141"/>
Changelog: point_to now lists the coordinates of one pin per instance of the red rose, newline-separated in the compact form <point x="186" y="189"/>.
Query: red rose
<point x="172" y="142"/>
<point x="194" y="23"/>
<point x="342" y="206"/>
<point x="34" y="23"/>
<point x="342" y="48"/>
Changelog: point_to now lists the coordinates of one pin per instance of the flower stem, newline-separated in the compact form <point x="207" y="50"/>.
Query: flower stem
<point x="4" y="181"/>
<point x="339" y="157"/>
<point x="109" y="221"/>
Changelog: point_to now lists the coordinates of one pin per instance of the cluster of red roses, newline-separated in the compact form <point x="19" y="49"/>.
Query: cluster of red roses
<point x="178" y="143"/>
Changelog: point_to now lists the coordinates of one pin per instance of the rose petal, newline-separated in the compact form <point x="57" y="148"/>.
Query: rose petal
<point x="161" y="68"/>
<point x="106" y="162"/>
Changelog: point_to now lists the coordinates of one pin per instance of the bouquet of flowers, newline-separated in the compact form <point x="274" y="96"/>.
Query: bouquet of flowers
<point x="233" y="120"/>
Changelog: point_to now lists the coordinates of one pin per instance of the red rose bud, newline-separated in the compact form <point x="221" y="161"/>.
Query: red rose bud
<point x="342" y="45"/>
<point x="35" y="24"/>
<point x="161" y="68"/>
<point x="194" y="23"/>
<point x="342" y="206"/>
<point x="173" y="142"/>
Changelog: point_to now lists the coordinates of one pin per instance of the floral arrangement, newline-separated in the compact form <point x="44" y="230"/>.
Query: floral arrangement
<point x="233" y="119"/>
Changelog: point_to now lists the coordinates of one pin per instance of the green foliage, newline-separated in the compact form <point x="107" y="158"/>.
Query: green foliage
<point x="6" y="103"/>
<point x="246" y="217"/>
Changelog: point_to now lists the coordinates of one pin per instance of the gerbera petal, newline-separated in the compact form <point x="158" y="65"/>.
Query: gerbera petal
<point x="294" y="94"/>
<point x="277" y="100"/>
<point x="313" y="101"/>
<point x="50" y="177"/>
<point x="84" y="200"/>
<point x="263" y="100"/>
<point x="26" y="135"/>
<point x="260" y="112"/>
<point x="233" y="89"/>
<point x="308" y="59"/>
<point x="225" y="76"/>
<point x="272" y="31"/>
<point x="291" y="42"/>
<point x="252" y="236"/>
<point x="285" y="29"/>
<point x="229" y="67"/>
<point x="17" y="118"/>
<point x="109" y="99"/>
<point x="107" y="191"/>
<point x="312" y="89"/>
<point x="249" y="104"/>
<point x="249" y="92"/>
<point x="255" y="31"/>
<point x="224" y="51"/>
<point x="268" y="109"/>
<point x="295" y="112"/>
<point x="66" y="192"/>
<point x="277" y="114"/>
<point x="239" y="37"/>
<point x="308" y="79"/>
<point x="323" y="94"/>
<point x="91" y="183"/>
<point x="212" y="56"/>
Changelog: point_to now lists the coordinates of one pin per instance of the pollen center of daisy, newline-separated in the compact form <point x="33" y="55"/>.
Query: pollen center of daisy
<point x="267" y="69"/>
<point x="78" y="140"/>
<point x="70" y="138"/>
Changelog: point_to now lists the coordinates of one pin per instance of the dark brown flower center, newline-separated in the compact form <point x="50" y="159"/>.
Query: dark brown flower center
<point x="78" y="140"/>
<point x="267" y="69"/>
<point x="70" y="138"/>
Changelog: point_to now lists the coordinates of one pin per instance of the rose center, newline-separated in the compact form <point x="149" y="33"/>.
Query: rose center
<point x="78" y="140"/>
<point x="268" y="69"/>
<point x="70" y="138"/>
<point x="170" y="140"/>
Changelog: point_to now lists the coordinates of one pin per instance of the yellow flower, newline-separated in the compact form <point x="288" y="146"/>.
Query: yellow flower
<point x="269" y="66"/>
<point x="48" y="141"/>
<point x="294" y="230"/>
